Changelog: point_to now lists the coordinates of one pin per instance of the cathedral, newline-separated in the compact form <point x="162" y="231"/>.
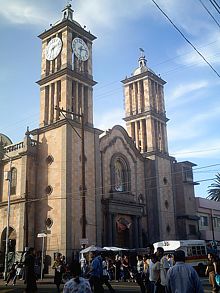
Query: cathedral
<point x="78" y="185"/>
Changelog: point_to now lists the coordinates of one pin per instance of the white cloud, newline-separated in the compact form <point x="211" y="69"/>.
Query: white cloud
<point x="199" y="150"/>
<point x="186" y="89"/>
<point x="23" y="12"/>
<point x="209" y="47"/>
<point x="194" y="127"/>
<point x="107" y="120"/>
<point x="94" y="14"/>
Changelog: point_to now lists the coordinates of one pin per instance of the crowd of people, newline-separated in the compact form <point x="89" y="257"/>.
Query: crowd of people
<point x="154" y="273"/>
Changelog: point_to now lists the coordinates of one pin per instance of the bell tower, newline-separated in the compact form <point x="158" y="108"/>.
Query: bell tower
<point x="66" y="70"/>
<point x="145" y="114"/>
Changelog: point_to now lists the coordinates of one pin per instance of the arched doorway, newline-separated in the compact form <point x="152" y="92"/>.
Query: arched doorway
<point x="123" y="230"/>
<point x="11" y="243"/>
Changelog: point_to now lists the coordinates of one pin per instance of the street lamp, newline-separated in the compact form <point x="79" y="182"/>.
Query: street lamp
<point x="8" y="178"/>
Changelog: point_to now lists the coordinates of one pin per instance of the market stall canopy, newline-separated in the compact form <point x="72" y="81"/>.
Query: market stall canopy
<point x="92" y="248"/>
<point x="114" y="248"/>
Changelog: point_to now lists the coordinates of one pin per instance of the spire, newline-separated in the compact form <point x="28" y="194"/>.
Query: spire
<point x="142" y="61"/>
<point x="68" y="11"/>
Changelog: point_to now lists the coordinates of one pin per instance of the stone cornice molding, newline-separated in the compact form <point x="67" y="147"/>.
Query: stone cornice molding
<point x="62" y="122"/>
<point x="87" y="79"/>
<point x="67" y="23"/>
<point x="146" y="74"/>
<point x="160" y="116"/>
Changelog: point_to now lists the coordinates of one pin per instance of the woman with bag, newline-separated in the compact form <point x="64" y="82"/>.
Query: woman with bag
<point x="211" y="271"/>
<point x="59" y="270"/>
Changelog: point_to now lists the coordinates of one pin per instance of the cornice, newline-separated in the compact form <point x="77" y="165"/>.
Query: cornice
<point x="162" y="117"/>
<point x="67" y="23"/>
<point x="70" y="73"/>
<point x="62" y="122"/>
<point x="159" y="154"/>
<point x="146" y="74"/>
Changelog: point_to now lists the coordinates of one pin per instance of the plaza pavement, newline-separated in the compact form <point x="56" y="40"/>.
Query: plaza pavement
<point x="46" y="286"/>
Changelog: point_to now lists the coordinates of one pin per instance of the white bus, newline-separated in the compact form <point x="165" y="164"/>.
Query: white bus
<point x="195" y="251"/>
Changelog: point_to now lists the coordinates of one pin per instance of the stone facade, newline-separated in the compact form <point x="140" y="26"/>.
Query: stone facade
<point x="133" y="193"/>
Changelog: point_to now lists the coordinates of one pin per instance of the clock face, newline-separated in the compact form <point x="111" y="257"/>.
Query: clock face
<point x="80" y="49"/>
<point x="53" y="48"/>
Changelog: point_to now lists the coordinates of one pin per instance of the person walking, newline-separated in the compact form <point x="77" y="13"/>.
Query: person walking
<point x="164" y="266"/>
<point x="140" y="273"/>
<point x="182" y="277"/>
<point x="154" y="273"/>
<point x="211" y="271"/>
<point x="11" y="274"/>
<point x="96" y="273"/>
<point x="30" y="276"/>
<point x="76" y="283"/>
<point x="59" y="270"/>
<point x="105" y="277"/>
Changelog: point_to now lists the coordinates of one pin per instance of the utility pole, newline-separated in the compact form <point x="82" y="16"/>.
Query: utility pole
<point x="8" y="217"/>
<point x="83" y="180"/>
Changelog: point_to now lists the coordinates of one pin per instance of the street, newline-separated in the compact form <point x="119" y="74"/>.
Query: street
<point x="47" y="286"/>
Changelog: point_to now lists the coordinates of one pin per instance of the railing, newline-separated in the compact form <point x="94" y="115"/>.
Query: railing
<point x="14" y="147"/>
<point x="19" y="146"/>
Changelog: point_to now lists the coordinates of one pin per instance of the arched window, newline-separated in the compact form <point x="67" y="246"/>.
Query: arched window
<point x="13" y="180"/>
<point x="120" y="174"/>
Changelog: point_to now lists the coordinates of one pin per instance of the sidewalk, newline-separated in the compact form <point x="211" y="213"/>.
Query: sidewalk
<point x="48" y="279"/>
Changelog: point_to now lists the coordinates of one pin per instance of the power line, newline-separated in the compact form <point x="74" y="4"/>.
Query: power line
<point x="200" y="54"/>
<point x="92" y="196"/>
<point x="193" y="152"/>
<point x="215" y="5"/>
<point x="209" y="13"/>
<point x="147" y="179"/>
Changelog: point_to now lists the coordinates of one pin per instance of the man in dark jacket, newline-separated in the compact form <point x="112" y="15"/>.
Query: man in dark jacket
<point x="30" y="277"/>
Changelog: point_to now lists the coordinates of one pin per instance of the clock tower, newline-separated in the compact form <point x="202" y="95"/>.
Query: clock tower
<point x="66" y="70"/>
<point x="66" y="83"/>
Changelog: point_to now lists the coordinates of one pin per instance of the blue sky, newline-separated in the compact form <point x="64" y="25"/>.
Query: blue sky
<point x="122" y="27"/>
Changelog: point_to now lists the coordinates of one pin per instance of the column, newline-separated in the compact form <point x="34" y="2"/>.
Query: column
<point x="114" y="230"/>
<point x="139" y="97"/>
<point x="76" y="96"/>
<point x="136" y="135"/>
<point x="109" y="230"/>
<point x="165" y="138"/>
<point x="135" y="232"/>
<point x="90" y="105"/>
<point x="141" y="136"/>
<point x="150" y="132"/>
<point x="82" y="100"/>
<point x="144" y="142"/>
<point x="51" y="112"/>
<point x="136" y="97"/>
<point x="140" y="238"/>
<point x="56" y="97"/>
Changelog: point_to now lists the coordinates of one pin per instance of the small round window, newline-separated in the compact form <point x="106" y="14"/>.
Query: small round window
<point x="49" y="222"/>
<point x="49" y="159"/>
<point x="49" y="189"/>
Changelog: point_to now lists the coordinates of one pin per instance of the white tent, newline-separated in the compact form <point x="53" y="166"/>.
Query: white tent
<point x="114" y="248"/>
<point x="92" y="248"/>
